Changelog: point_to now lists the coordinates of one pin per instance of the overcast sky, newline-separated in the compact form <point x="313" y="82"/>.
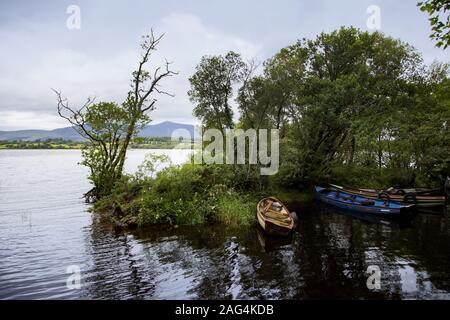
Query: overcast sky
<point x="38" y="51"/>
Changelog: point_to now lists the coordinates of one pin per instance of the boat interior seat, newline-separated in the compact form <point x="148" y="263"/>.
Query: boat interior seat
<point x="275" y="210"/>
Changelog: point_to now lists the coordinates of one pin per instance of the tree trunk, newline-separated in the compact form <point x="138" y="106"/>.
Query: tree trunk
<point x="123" y="152"/>
<point x="352" y="150"/>
<point x="380" y="152"/>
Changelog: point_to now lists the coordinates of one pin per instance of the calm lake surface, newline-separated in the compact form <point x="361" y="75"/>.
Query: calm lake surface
<point x="45" y="228"/>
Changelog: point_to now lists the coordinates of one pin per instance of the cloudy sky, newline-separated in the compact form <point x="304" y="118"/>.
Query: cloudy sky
<point x="39" y="52"/>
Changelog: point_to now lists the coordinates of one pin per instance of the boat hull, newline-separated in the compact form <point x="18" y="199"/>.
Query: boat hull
<point x="347" y="202"/>
<point x="408" y="197"/>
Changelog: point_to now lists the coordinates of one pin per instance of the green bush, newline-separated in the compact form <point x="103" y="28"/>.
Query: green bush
<point x="181" y="195"/>
<point x="235" y="209"/>
<point x="373" y="177"/>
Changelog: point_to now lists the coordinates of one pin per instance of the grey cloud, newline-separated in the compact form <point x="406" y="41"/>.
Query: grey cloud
<point x="38" y="52"/>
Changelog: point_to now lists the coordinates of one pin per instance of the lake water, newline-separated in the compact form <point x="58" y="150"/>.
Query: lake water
<point x="45" y="229"/>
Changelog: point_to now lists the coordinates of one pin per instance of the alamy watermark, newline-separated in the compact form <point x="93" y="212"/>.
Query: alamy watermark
<point x="73" y="282"/>
<point x="73" y="21"/>
<point x="373" y="22"/>
<point x="213" y="146"/>
<point x="374" y="280"/>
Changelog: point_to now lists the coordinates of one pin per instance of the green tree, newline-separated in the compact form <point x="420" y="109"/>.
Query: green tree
<point x="255" y="103"/>
<point x="267" y="101"/>
<point x="439" y="11"/>
<point x="212" y="88"/>
<point x="424" y="130"/>
<point x="110" y="127"/>
<point x="327" y="90"/>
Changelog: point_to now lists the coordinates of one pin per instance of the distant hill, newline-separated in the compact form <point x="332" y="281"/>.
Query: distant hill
<point x="163" y="129"/>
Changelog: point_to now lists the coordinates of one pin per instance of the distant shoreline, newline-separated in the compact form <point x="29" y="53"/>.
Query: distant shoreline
<point x="73" y="145"/>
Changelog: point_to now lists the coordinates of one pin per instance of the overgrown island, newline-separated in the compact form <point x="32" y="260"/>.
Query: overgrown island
<point x="352" y="107"/>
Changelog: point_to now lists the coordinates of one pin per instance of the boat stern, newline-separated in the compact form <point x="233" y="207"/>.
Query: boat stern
<point x="408" y="210"/>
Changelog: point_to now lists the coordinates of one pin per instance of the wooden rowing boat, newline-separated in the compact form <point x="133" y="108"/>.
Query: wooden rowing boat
<point x="357" y="203"/>
<point x="421" y="197"/>
<point x="273" y="217"/>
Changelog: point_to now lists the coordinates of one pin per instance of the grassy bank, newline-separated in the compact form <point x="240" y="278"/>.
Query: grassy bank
<point x="181" y="195"/>
<point x="214" y="194"/>
<point x="193" y="194"/>
<point x="40" y="145"/>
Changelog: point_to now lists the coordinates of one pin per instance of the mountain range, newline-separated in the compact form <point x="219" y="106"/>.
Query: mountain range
<point x="163" y="129"/>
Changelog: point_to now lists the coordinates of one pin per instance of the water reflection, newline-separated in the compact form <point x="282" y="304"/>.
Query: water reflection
<point x="118" y="269"/>
<point x="44" y="227"/>
<point x="403" y="222"/>
<point x="326" y="257"/>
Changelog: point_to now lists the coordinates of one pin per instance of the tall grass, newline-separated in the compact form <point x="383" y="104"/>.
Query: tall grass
<point x="181" y="195"/>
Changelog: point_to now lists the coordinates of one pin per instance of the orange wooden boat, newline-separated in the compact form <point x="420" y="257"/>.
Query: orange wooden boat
<point x="273" y="217"/>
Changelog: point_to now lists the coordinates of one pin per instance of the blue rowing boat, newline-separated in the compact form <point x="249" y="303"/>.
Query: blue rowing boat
<point x="351" y="202"/>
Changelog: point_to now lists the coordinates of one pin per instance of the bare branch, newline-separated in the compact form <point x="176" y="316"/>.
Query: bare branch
<point x="113" y="137"/>
<point x="76" y="118"/>
<point x="148" y="45"/>
<point x="157" y="78"/>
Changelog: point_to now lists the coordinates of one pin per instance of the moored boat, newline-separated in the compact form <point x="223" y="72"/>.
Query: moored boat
<point x="273" y="217"/>
<point x="362" y="204"/>
<point x="422" y="197"/>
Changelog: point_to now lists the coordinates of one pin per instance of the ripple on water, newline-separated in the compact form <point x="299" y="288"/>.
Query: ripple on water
<point x="45" y="228"/>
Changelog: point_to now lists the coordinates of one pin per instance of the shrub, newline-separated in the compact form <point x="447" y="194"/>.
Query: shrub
<point x="188" y="194"/>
